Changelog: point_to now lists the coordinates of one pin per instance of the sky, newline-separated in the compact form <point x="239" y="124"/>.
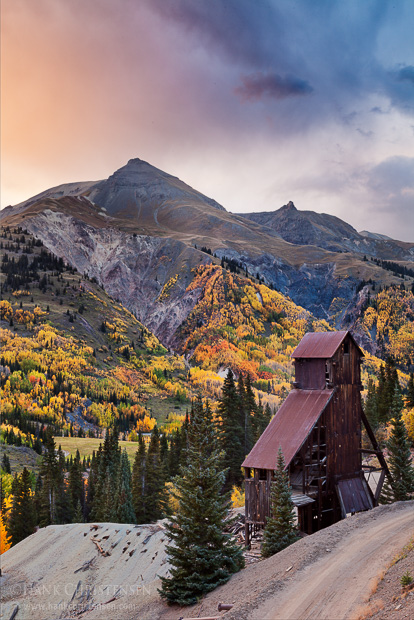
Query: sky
<point x="252" y="102"/>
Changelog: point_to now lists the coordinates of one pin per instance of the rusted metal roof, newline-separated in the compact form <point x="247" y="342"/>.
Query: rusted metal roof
<point x="320" y="344"/>
<point x="289" y="428"/>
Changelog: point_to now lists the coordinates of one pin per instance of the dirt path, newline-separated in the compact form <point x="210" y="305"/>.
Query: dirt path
<point x="336" y="585"/>
<point x="328" y="575"/>
<point x="61" y="572"/>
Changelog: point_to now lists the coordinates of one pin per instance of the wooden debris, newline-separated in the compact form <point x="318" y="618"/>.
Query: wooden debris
<point x="101" y="551"/>
<point x="14" y="612"/>
<point x="84" y="566"/>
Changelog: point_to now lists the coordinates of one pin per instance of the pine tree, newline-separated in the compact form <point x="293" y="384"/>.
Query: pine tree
<point x="174" y="453"/>
<point x="22" y="519"/>
<point x="232" y="431"/>
<point x="123" y="500"/>
<point x="202" y="555"/>
<point x="399" y="460"/>
<point x="5" y="464"/>
<point x="91" y="486"/>
<point x="247" y="407"/>
<point x="78" y="514"/>
<point x="49" y="493"/>
<point x="370" y="405"/>
<point x="138" y="481"/>
<point x="410" y="391"/>
<point x="108" y="460"/>
<point x="280" y="531"/>
<point x="76" y="489"/>
<point x="64" y="506"/>
<point x="155" y="495"/>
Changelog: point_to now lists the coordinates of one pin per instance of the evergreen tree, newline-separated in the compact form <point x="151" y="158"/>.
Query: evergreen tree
<point x="76" y="489"/>
<point x="138" y="481"/>
<point x="174" y="454"/>
<point x="410" y="391"/>
<point x="64" y="504"/>
<point x="280" y="530"/>
<point x="78" y="514"/>
<point x="155" y="495"/>
<point x="370" y="405"/>
<point x="5" y="464"/>
<point x="232" y="431"/>
<point x="49" y="493"/>
<point x="91" y="486"/>
<point x="22" y="518"/>
<point x="164" y="451"/>
<point x="399" y="460"/>
<point x="254" y="415"/>
<point x="123" y="500"/>
<point x="202" y="555"/>
<point x="105" y="484"/>
<point x="247" y="407"/>
<point x="381" y="397"/>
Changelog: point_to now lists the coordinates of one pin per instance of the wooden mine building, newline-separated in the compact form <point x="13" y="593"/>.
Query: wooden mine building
<point x="318" y="428"/>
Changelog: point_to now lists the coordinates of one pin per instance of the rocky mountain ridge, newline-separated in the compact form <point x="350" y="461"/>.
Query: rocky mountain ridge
<point x="329" y="232"/>
<point x="142" y="233"/>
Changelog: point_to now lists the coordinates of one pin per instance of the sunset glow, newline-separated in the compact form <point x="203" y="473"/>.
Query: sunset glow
<point x="253" y="104"/>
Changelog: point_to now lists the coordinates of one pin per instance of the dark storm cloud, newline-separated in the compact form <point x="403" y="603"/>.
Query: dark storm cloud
<point x="270" y="85"/>
<point x="282" y="49"/>
<point x="407" y="73"/>
<point x="231" y="28"/>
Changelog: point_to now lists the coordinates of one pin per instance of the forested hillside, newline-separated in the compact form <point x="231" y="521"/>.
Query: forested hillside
<point x="74" y="363"/>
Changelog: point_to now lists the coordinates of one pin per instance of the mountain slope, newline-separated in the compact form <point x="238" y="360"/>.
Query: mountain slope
<point x="329" y="232"/>
<point x="139" y="233"/>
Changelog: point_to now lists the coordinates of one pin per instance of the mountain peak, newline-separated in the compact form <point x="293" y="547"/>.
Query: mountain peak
<point x="289" y="207"/>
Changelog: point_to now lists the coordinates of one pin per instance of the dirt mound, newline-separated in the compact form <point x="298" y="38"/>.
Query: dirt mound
<point x="76" y="571"/>
<point x="84" y="570"/>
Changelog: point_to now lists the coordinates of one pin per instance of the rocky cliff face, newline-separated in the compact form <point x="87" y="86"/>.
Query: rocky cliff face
<point x="148" y="275"/>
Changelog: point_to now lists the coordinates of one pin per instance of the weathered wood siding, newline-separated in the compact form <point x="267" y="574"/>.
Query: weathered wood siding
<point x="343" y="413"/>
<point x="310" y="374"/>
<point x="257" y="493"/>
<point x="345" y="367"/>
<point x="343" y="433"/>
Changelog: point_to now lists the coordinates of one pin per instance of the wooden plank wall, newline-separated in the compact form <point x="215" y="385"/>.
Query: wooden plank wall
<point x="310" y="374"/>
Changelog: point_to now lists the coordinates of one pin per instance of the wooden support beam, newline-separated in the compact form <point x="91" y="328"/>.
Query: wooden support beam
<point x="376" y="446"/>
<point x="379" y="487"/>
<point x="365" y="451"/>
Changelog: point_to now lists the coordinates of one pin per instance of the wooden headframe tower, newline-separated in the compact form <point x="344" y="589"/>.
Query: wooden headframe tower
<point x="318" y="428"/>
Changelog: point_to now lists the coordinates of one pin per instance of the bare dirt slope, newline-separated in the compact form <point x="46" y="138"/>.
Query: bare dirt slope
<point x="328" y="575"/>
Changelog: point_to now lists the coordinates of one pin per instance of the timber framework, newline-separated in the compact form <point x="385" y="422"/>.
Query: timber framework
<point x="318" y="428"/>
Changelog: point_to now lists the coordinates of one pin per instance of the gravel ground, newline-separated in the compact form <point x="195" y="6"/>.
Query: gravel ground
<point x="60" y="572"/>
<point x="388" y="599"/>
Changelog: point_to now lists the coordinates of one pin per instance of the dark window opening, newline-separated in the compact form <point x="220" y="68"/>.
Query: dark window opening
<point x="262" y="474"/>
<point x="346" y="348"/>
